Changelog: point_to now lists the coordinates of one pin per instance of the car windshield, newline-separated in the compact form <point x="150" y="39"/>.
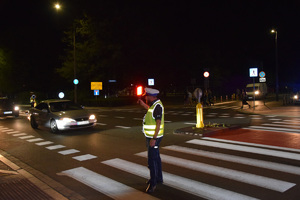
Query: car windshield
<point x="63" y="106"/>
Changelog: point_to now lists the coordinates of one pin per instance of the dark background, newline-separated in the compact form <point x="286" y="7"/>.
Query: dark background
<point x="173" y="42"/>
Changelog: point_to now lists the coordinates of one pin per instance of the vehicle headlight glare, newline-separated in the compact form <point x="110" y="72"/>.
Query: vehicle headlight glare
<point x="67" y="120"/>
<point x="296" y="97"/>
<point x="92" y="117"/>
<point x="17" y="108"/>
<point x="256" y="92"/>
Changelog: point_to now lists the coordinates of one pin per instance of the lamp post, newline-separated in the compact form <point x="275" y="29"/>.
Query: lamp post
<point x="74" y="63"/>
<point x="274" y="31"/>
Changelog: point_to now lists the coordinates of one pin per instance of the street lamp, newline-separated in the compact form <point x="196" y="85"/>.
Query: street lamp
<point x="274" y="31"/>
<point x="57" y="6"/>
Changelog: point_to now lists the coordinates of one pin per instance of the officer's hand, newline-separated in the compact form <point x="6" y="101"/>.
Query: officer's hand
<point x="152" y="143"/>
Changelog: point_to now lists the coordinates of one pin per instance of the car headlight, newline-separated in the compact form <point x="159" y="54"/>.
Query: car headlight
<point x="256" y="92"/>
<point x="67" y="120"/>
<point x="295" y="96"/>
<point x="16" y="108"/>
<point x="92" y="117"/>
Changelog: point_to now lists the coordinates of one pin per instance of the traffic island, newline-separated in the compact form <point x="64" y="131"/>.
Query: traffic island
<point x="208" y="130"/>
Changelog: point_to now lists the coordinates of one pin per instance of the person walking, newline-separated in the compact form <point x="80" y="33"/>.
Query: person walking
<point x="153" y="129"/>
<point x="244" y="99"/>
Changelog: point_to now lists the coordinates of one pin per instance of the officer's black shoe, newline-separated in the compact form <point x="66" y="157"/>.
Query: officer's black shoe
<point x="150" y="188"/>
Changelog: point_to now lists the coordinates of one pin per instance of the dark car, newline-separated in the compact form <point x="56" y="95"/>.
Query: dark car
<point x="60" y="115"/>
<point x="8" y="108"/>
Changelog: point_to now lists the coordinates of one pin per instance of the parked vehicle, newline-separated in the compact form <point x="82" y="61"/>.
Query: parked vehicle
<point x="60" y="115"/>
<point x="8" y="107"/>
<point x="259" y="90"/>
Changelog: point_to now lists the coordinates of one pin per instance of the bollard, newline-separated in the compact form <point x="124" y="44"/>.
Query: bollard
<point x="199" y="114"/>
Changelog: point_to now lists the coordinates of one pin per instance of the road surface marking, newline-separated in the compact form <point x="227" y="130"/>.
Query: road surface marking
<point x="281" y="125"/>
<point x="27" y="137"/>
<point x="19" y="134"/>
<point x="124" y="127"/>
<point x="44" y="143"/>
<point x="237" y="159"/>
<point x="67" y="152"/>
<point x="7" y="130"/>
<point x="12" y="132"/>
<point x="253" y="144"/>
<point x="105" y="185"/>
<point x="119" y="117"/>
<point x="55" y="147"/>
<point x="84" y="157"/>
<point x="261" y="151"/>
<point x="101" y="124"/>
<point x="289" y="130"/>
<point x="35" y="140"/>
<point x="193" y="187"/>
<point x="252" y="179"/>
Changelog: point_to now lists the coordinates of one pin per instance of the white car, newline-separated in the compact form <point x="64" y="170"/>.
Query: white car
<point x="60" y="115"/>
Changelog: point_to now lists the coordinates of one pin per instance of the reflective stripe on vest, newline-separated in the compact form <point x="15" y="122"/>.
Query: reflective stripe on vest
<point x="149" y="124"/>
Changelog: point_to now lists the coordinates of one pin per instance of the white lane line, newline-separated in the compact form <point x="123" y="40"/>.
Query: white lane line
<point x="84" y="157"/>
<point x="35" y="140"/>
<point x="117" y="117"/>
<point x="256" y="118"/>
<point x="102" y="115"/>
<point x="138" y="118"/>
<point x="27" y="137"/>
<point x="253" y="144"/>
<point x="107" y="186"/>
<point x="101" y="124"/>
<point x="44" y="143"/>
<point x="255" y="150"/>
<point x="12" y="132"/>
<point x="292" y="120"/>
<point x="67" y="152"/>
<point x="7" y="130"/>
<point x="270" y="116"/>
<point x="275" y="119"/>
<point x="239" y="117"/>
<point x="194" y="187"/>
<point x="19" y="134"/>
<point x="237" y="159"/>
<point x="275" y="129"/>
<point x="124" y="127"/>
<point x="281" y="125"/>
<point x="167" y="121"/>
<point x="287" y="124"/>
<point x="55" y="147"/>
<point x="189" y="123"/>
<point x="244" y="177"/>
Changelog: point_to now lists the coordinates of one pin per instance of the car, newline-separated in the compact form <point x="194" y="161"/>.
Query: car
<point x="60" y="115"/>
<point x="8" y="107"/>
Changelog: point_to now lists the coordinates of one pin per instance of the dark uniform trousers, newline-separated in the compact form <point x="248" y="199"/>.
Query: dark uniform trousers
<point x="154" y="162"/>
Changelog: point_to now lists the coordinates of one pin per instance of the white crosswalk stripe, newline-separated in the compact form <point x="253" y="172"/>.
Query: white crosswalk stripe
<point x="193" y="149"/>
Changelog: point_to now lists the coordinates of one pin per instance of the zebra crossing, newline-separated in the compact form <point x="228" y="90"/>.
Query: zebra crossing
<point x="279" y="125"/>
<point x="193" y="158"/>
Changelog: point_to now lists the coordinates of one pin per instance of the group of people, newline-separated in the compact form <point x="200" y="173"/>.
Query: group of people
<point x="206" y="99"/>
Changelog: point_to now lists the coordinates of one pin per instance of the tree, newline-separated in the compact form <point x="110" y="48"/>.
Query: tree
<point x="96" y="53"/>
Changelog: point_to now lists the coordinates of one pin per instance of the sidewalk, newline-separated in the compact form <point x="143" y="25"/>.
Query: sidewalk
<point x="18" y="182"/>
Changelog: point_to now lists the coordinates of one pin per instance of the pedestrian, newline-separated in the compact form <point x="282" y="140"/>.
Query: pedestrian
<point x="153" y="128"/>
<point x="244" y="99"/>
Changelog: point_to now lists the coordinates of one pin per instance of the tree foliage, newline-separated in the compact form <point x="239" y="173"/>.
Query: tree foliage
<point x="96" y="52"/>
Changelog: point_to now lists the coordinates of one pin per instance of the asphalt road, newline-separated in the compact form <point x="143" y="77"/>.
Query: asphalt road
<point x="109" y="161"/>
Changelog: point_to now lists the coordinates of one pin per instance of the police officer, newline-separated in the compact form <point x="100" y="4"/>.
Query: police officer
<point x="32" y="100"/>
<point x="153" y="128"/>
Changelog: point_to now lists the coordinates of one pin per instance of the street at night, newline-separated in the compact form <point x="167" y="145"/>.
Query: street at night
<point x="109" y="161"/>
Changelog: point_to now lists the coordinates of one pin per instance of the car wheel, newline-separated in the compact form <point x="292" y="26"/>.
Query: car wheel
<point x="33" y="123"/>
<point x="53" y="126"/>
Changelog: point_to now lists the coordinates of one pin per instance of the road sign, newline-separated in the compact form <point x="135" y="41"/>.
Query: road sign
<point x="253" y="72"/>
<point x="96" y="92"/>
<point x="151" y="82"/>
<point x="75" y="81"/>
<point x="96" y="85"/>
<point x="262" y="74"/>
<point x="262" y="80"/>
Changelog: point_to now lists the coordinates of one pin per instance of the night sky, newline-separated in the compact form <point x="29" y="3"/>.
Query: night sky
<point x="171" y="41"/>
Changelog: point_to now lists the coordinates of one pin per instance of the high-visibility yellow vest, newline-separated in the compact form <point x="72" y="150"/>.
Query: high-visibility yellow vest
<point x="149" y="123"/>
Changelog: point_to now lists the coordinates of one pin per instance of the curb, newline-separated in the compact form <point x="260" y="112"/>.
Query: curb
<point x="203" y="132"/>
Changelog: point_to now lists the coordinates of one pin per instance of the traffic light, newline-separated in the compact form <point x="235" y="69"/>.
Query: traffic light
<point x="139" y="91"/>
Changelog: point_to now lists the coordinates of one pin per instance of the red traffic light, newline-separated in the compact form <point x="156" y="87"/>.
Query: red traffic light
<point x="139" y="90"/>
